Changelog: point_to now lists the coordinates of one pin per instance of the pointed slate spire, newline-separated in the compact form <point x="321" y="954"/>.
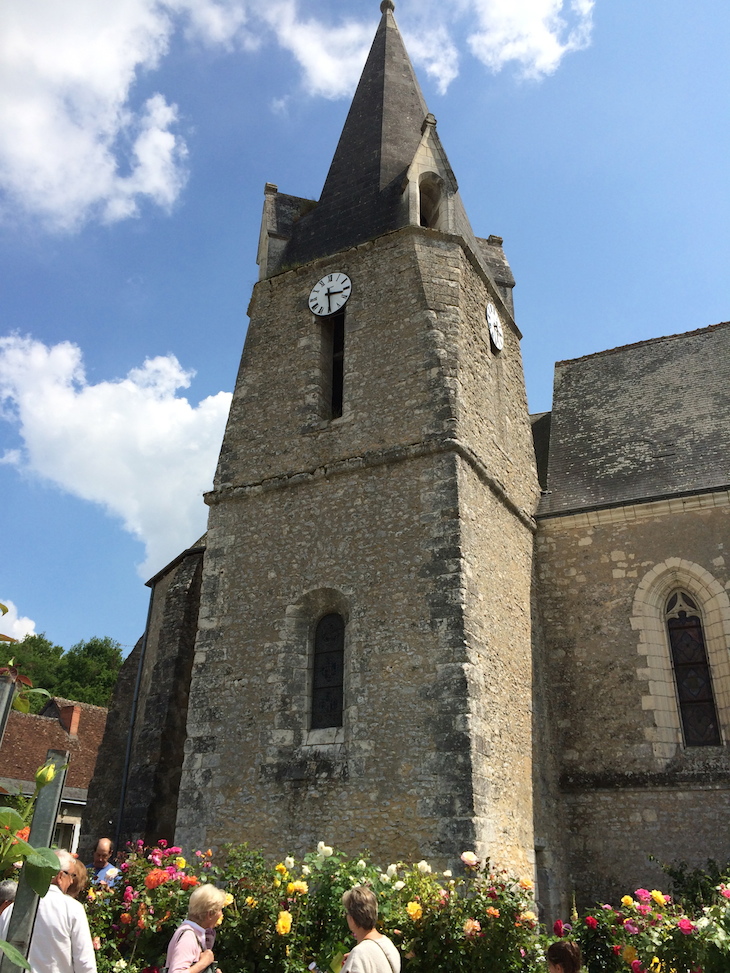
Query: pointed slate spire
<point x="362" y="193"/>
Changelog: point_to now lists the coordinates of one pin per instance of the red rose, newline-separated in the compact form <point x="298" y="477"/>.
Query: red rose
<point x="591" y="922"/>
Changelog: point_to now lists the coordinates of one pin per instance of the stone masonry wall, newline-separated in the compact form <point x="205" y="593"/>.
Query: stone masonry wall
<point x="364" y="515"/>
<point x="632" y="787"/>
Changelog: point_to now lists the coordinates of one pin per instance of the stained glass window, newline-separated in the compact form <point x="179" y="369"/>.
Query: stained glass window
<point x="328" y="672"/>
<point x="692" y="672"/>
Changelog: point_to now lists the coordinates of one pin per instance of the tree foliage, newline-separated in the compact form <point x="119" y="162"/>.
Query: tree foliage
<point x="86" y="673"/>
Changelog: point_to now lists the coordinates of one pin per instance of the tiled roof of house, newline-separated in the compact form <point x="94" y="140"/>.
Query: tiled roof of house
<point x="63" y="725"/>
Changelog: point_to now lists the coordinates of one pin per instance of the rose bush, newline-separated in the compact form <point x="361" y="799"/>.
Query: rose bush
<point x="286" y="915"/>
<point x="283" y="916"/>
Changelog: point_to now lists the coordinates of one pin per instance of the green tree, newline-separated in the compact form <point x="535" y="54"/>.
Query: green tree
<point x="39" y="659"/>
<point x="88" y="671"/>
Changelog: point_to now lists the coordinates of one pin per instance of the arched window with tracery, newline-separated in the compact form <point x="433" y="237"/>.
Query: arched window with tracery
<point x="692" y="675"/>
<point x="328" y="672"/>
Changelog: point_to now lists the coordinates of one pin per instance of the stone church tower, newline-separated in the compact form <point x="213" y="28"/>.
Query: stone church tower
<point x="362" y="668"/>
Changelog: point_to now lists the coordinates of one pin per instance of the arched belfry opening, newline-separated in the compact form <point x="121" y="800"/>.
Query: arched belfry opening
<point x="430" y="198"/>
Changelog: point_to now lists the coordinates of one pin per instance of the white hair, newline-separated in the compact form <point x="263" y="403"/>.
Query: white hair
<point x="65" y="859"/>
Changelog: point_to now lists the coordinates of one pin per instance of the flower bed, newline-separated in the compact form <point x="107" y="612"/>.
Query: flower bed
<point x="284" y="916"/>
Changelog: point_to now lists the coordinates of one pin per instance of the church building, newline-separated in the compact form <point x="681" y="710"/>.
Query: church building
<point x="422" y="621"/>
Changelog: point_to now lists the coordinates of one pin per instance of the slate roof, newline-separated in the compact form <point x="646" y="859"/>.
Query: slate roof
<point x="362" y="192"/>
<point x="29" y="737"/>
<point x="641" y="422"/>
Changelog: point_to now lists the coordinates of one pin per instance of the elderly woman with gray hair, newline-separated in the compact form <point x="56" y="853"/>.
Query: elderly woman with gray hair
<point x="191" y="947"/>
<point x="374" y="953"/>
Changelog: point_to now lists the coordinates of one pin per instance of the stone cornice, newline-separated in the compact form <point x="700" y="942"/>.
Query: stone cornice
<point x="631" y="512"/>
<point x="369" y="460"/>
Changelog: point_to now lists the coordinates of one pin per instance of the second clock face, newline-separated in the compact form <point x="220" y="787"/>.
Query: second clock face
<point x="330" y="294"/>
<point x="495" y="326"/>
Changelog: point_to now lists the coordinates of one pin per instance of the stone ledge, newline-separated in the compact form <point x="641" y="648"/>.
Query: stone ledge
<point x="370" y="460"/>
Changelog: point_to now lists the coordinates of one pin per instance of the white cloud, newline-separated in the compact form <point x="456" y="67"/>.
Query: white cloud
<point x="536" y="34"/>
<point x="133" y="445"/>
<point x="15" y="626"/>
<point x="75" y="146"/>
<point x="330" y="56"/>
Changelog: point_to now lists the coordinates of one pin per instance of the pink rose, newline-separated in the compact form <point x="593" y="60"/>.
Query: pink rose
<point x="96" y="942"/>
<point x="686" y="926"/>
<point x="643" y="895"/>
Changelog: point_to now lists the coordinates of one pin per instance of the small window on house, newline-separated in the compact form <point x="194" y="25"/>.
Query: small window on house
<point x="692" y="675"/>
<point x="430" y="201"/>
<point x="333" y="363"/>
<point x="328" y="672"/>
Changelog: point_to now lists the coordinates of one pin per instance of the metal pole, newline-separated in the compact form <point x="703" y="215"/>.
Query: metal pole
<point x="7" y="692"/>
<point x="42" y="827"/>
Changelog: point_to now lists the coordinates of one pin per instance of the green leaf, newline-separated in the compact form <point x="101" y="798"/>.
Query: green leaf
<point x="44" y="858"/>
<point x="14" y="955"/>
<point x="39" y="869"/>
<point x="21" y="704"/>
<point x="11" y="820"/>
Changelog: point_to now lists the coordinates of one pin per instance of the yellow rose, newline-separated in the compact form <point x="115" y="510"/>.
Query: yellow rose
<point x="281" y="868"/>
<point x="251" y="902"/>
<point x="276" y="883"/>
<point x="180" y="862"/>
<point x="525" y="883"/>
<point x="283" y="923"/>
<point x="658" y="897"/>
<point x="44" y="775"/>
<point x="629" y="954"/>
<point x="627" y="901"/>
<point x="414" y="910"/>
<point x="297" y="888"/>
<point x="228" y="899"/>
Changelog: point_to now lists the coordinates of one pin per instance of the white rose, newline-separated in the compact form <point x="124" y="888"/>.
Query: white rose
<point x="423" y="867"/>
<point x="391" y="870"/>
<point x="112" y="872"/>
<point x="384" y="877"/>
<point x="448" y="873"/>
<point x="362" y="864"/>
<point x="306" y="870"/>
<point x="399" y="885"/>
<point x="289" y="862"/>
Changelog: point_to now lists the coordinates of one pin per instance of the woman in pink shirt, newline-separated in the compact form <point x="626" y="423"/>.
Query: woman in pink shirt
<point x="191" y="947"/>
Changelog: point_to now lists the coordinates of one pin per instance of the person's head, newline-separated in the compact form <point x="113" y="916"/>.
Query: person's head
<point x="206" y="905"/>
<point x="564" y="957"/>
<point x="8" y="888"/>
<point x="102" y="852"/>
<point x="67" y="870"/>
<point x="361" y="907"/>
<point x="80" y="880"/>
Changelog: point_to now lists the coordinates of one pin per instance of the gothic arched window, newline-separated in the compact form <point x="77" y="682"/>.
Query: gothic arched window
<point x="328" y="672"/>
<point x="692" y="675"/>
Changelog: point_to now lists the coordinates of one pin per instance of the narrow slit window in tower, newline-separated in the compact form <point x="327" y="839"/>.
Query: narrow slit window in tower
<point x="328" y="672"/>
<point x="692" y="676"/>
<point x="333" y="363"/>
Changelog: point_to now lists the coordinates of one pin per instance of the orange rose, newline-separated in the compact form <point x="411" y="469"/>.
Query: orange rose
<point x="125" y="918"/>
<point x="155" y="878"/>
<point x="189" y="881"/>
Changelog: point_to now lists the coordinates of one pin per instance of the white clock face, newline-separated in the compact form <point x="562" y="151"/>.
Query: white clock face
<point x="329" y="294"/>
<point x="495" y="327"/>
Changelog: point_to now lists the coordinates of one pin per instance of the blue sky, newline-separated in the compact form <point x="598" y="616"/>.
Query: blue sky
<point x="135" y="141"/>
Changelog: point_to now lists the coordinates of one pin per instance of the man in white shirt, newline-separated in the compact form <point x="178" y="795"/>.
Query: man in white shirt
<point x="61" y="941"/>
